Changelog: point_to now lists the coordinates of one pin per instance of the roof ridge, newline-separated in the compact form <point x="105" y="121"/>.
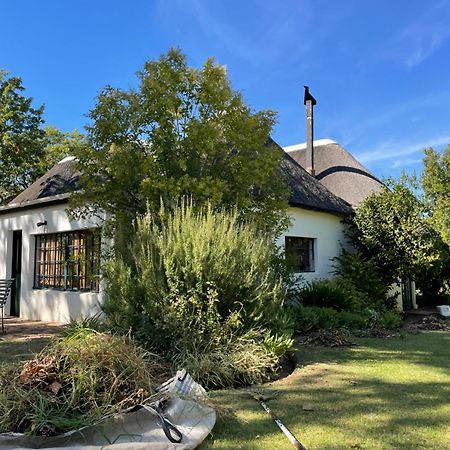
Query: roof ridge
<point x="301" y="146"/>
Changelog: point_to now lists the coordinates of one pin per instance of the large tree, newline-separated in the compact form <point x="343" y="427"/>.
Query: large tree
<point x="181" y="132"/>
<point x="22" y="138"/>
<point x="27" y="148"/>
<point x="391" y="229"/>
<point x="436" y="187"/>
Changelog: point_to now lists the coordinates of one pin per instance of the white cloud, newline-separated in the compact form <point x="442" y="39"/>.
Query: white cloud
<point x="389" y="150"/>
<point x="260" y="32"/>
<point x="422" y="37"/>
<point x="402" y="163"/>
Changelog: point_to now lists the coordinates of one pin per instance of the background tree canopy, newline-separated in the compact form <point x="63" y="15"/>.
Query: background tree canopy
<point x="436" y="186"/>
<point x="27" y="150"/>
<point x="392" y="230"/>
<point x="405" y="230"/>
<point x="181" y="132"/>
<point x="21" y="138"/>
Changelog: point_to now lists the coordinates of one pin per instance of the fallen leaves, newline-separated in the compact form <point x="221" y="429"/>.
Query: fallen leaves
<point x="38" y="370"/>
<point x="329" y="338"/>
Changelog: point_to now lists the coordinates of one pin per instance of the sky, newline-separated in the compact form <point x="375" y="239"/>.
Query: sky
<point x="380" y="70"/>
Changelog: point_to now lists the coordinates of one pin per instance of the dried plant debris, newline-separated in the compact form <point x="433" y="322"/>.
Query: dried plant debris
<point x="385" y="333"/>
<point x="329" y="338"/>
<point x="430" y="323"/>
<point x="75" y="381"/>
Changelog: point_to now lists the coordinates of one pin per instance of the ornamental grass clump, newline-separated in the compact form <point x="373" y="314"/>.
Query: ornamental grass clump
<point x="74" y="381"/>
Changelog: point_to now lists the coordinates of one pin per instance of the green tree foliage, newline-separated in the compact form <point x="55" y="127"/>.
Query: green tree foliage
<point x="59" y="144"/>
<point x="390" y="229"/>
<point x="436" y="186"/>
<point x="182" y="131"/>
<point x="27" y="149"/>
<point x="22" y="139"/>
<point x="352" y="268"/>
<point x="202" y="292"/>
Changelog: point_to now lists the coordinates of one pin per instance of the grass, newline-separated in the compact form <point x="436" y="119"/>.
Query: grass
<point x="20" y="350"/>
<point x="382" y="394"/>
<point x="400" y="399"/>
<point x="74" y="381"/>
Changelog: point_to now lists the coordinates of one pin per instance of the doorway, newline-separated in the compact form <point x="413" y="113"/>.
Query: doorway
<point x="16" y="272"/>
<point x="407" y="295"/>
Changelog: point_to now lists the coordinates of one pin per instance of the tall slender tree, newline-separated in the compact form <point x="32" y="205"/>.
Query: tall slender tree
<point x="22" y="138"/>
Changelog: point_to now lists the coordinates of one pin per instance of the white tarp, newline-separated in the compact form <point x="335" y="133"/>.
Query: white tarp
<point x="185" y="409"/>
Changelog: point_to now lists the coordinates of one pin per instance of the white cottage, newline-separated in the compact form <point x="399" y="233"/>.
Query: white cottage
<point x="55" y="260"/>
<point x="343" y="175"/>
<point x="316" y="234"/>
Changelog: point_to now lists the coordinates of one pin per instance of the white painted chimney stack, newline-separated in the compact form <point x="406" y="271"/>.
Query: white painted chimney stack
<point x="309" y="101"/>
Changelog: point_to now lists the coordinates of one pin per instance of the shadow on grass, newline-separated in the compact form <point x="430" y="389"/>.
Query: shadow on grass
<point x="430" y="349"/>
<point x="382" y="394"/>
<point x="12" y="351"/>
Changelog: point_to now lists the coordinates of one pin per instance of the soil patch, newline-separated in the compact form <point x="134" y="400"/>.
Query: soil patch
<point x="24" y="330"/>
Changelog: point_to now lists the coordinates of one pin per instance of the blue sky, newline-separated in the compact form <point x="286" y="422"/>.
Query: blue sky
<point x="379" y="69"/>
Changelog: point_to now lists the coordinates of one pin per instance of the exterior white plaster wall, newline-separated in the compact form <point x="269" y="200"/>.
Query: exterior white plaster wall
<point x="327" y="230"/>
<point x="42" y="304"/>
<point x="396" y="289"/>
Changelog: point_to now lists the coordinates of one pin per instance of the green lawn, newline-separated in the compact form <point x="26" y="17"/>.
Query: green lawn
<point x="382" y="394"/>
<point x="20" y="350"/>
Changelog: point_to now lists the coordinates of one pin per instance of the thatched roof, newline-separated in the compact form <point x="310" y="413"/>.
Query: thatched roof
<point x="307" y="192"/>
<point x="338" y="171"/>
<point x="62" y="179"/>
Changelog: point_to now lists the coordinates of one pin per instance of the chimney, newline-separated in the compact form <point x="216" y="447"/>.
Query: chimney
<point x="309" y="101"/>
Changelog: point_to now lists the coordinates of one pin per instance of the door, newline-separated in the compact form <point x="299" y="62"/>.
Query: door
<point x="16" y="271"/>
<point x="407" y="295"/>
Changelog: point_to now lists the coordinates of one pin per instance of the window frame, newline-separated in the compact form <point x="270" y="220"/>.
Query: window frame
<point x="67" y="271"/>
<point x="310" y="251"/>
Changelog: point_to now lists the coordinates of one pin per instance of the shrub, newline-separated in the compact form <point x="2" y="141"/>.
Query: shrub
<point x="74" y="381"/>
<point x="200" y="282"/>
<point x="236" y="360"/>
<point x="328" y="318"/>
<point x="353" y="321"/>
<point x="391" y="320"/>
<point x="284" y="322"/>
<point x="310" y="318"/>
<point x="306" y="318"/>
<point x="336" y="294"/>
<point x="354" y="269"/>
<point x="278" y="344"/>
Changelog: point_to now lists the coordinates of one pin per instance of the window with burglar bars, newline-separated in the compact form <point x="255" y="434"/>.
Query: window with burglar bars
<point x="68" y="261"/>
<point x="300" y="253"/>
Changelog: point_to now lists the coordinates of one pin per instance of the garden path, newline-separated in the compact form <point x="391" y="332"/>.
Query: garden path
<point x="23" y="330"/>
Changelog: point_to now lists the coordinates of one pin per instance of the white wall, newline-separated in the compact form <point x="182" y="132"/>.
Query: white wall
<point x="42" y="304"/>
<point x="396" y="289"/>
<point x="328" y="231"/>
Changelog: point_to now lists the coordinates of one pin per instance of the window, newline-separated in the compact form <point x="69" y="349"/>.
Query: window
<point x="300" y="253"/>
<point x="68" y="261"/>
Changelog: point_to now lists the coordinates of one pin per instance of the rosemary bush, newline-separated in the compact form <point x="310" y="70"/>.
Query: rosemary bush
<point x="200" y="281"/>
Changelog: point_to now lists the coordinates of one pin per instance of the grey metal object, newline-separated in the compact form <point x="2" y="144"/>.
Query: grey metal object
<point x="5" y="289"/>
<point x="262" y="399"/>
<point x="309" y="101"/>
